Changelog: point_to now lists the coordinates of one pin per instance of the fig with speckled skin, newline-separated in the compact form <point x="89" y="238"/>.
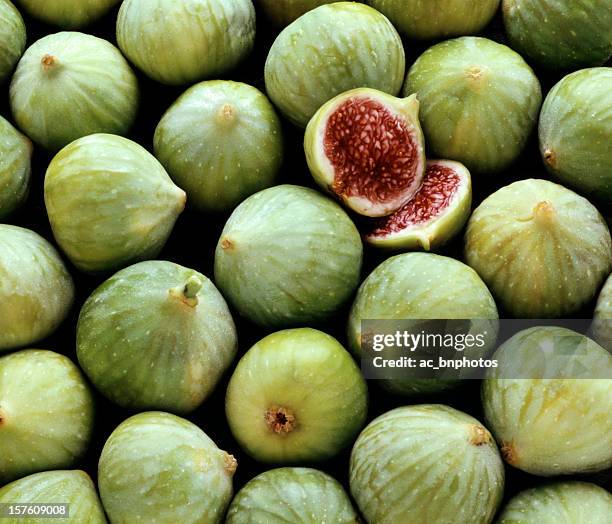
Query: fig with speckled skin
<point x="479" y="102"/>
<point x="36" y="290"/>
<point x="296" y="396"/>
<point x="12" y="38"/>
<point x="287" y="256"/>
<point x="46" y="413"/>
<point x="221" y="141"/>
<point x="329" y="50"/>
<point x="543" y="250"/>
<point x="15" y="168"/>
<point x="69" y="14"/>
<point x="296" y="495"/>
<point x="426" y="464"/>
<point x="156" y="335"/>
<point x="110" y="202"/>
<point x="157" y="467"/>
<point x="71" y="487"/>
<point x="283" y="12"/>
<point x="69" y="85"/>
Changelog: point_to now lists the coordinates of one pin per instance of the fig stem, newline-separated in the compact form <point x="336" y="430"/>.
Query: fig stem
<point x="230" y="462"/>
<point x="192" y="287"/>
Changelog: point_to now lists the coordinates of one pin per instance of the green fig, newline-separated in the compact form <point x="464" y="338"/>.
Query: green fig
<point x="15" y="168"/>
<point x="69" y="14"/>
<point x="12" y="38"/>
<point x="282" y="12"/>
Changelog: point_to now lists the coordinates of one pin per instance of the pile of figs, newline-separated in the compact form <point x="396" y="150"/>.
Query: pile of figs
<point x="205" y="203"/>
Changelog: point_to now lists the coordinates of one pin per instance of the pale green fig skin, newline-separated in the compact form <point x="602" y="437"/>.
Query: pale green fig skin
<point x="36" y="290"/>
<point x="551" y="426"/>
<point x="72" y="487"/>
<point x="282" y="12"/>
<point x="68" y="14"/>
<point x="322" y="170"/>
<point x="426" y="464"/>
<point x="602" y="318"/>
<point x="12" y="38"/>
<point x="221" y="141"/>
<point x="297" y="495"/>
<point x="15" y="168"/>
<point x="288" y="255"/>
<point x="559" y="503"/>
<point x="110" y="202"/>
<point x="156" y="335"/>
<point x="69" y="85"/>
<point x="183" y="42"/>
<point x="157" y="467"/>
<point x="329" y="50"/>
<point x="543" y="250"/>
<point x="433" y="19"/>
<point x="560" y="34"/>
<point x="312" y="381"/>
<point x="419" y="286"/>
<point x="46" y="413"/>
<point x="479" y="102"/>
<point x="575" y="131"/>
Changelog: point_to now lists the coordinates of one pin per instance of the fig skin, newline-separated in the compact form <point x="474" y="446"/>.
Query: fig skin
<point x="406" y="110"/>
<point x="297" y="495"/>
<point x="36" y="290"/>
<point x="575" y="131"/>
<point x="288" y="256"/>
<point x="426" y="464"/>
<point x="157" y="467"/>
<point x="46" y="413"/>
<point x="69" y="70"/>
<point x="296" y="396"/>
<point x="560" y="34"/>
<point x="282" y="12"/>
<point x="179" y="43"/>
<point x="72" y="487"/>
<point x="551" y="426"/>
<point x="479" y="102"/>
<point x="110" y="202"/>
<point x="602" y="319"/>
<point x="69" y="14"/>
<point x="543" y="250"/>
<point x="12" y="38"/>
<point x="156" y="335"/>
<point x="436" y="19"/>
<point x="328" y="51"/>
<point x="15" y="168"/>
<point x="221" y="141"/>
<point x="569" y="502"/>
<point x="420" y="286"/>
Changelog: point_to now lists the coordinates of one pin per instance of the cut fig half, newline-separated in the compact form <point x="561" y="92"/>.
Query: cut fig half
<point x="366" y="147"/>
<point x="438" y="211"/>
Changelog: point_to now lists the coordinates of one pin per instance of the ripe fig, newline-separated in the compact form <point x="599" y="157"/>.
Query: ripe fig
<point x="560" y="34"/>
<point x="46" y="413"/>
<point x="296" y="495"/>
<point x="551" y="418"/>
<point x="602" y="319"/>
<point x="69" y="85"/>
<point x="437" y="212"/>
<point x="12" y="38"/>
<point x="426" y="464"/>
<point x="110" y="202"/>
<point x="36" y="290"/>
<point x="181" y="42"/>
<point x="288" y="255"/>
<point x="576" y="129"/>
<point x="542" y="249"/>
<point x="156" y="335"/>
<point x="433" y="19"/>
<point x="71" y="487"/>
<point x="366" y="148"/>
<point x="329" y="50"/>
<point x="420" y="286"/>
<point x="569" y="502"/>
<point x="15" y="168"/>
<point x="69" y="14"/>
<point x="282" y="12"/>
<point x="296" y="396"/>
<point x="221" y="142"/>
<point x="479" y="102"/>
<point x="157" y="467"/>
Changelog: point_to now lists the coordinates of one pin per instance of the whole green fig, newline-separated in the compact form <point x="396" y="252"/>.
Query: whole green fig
<point x="12" y="38"/>
<point x="15" y="168"/>
<point x="283" y="12"/>
<point x="156" y="335"/>
<point x="110" y="202"/>
<point x="69" y="14"/>
<point x="36" y="290"/>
